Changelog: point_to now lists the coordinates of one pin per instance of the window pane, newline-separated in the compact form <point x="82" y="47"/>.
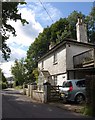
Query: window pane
<point x="67" y="84"/>
<point x="81" y="83"/>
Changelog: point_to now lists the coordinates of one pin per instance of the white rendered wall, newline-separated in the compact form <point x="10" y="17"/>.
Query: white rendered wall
<point x="61" y="79"/>
<point x="59" y="67"/>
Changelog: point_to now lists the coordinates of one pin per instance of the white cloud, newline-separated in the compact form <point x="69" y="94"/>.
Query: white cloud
<point x="6" y="68"/>
<point x="25" y="34"/>
<point x="42" y="15"/>
<point x="53" y="12"/>
<point x="17" y="53"/>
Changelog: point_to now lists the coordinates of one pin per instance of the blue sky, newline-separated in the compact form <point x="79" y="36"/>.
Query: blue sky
<point x="64" y="9"/>
<point x="38" y="19"/>
<point x="67" y="7"/>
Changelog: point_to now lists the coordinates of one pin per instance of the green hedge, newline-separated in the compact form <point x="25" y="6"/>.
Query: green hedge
<point x="90" y="95"/>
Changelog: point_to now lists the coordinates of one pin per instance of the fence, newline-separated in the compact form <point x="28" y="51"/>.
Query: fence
<point x="53" y="93"/>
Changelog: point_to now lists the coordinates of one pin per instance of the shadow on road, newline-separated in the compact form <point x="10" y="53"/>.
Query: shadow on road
<point x="16" y="105"/>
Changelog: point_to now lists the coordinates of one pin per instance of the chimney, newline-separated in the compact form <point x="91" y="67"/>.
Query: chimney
<point x="81" y="31"/>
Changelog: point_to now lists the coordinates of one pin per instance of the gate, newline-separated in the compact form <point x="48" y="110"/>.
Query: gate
<point x="53" y="93"/>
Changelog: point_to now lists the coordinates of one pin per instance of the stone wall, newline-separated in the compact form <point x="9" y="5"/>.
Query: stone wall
<point x="36" y="94"/>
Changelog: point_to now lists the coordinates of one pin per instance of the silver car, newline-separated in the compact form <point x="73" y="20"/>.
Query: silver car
<point x="73" y="90"/>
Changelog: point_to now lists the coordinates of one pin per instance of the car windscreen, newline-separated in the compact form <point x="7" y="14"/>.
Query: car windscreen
<point x="67" y="84"/>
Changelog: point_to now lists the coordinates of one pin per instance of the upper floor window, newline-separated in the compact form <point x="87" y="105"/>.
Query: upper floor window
<point x="55" y="58"/>
<point x="42" y="64"/>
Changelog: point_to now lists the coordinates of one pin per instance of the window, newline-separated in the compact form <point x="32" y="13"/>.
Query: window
<point x="55" y="80"/>
<point x="42" y="64"/>
<point x="67" y="84"/>
<point x="81" y="83"/>
<point x="55" y="58"/>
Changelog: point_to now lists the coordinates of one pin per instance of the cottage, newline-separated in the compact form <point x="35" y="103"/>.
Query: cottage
<point x="69" y="59"/>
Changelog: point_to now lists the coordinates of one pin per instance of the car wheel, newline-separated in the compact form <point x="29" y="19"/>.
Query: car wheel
<point x="79" y="99"/>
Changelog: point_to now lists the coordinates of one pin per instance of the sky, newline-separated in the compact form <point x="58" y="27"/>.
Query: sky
<point x="38" y="19"/>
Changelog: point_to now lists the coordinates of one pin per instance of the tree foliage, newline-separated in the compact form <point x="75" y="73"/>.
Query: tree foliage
<point x="3" y="80"/>
<point x="2" y="76"/>
<point x="91" y="25"/>
<point x="19" y="72"/>
<point x="9" y="12"/>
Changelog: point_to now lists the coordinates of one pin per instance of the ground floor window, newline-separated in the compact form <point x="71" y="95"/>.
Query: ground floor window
<point x="55" y="79"/>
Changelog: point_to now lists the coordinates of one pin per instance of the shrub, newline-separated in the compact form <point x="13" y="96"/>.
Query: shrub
<point x="15" y="83"/>
<point x="88" y="110"/>
<point x="90" y="95"/>
<point x="4" y="85"/>
<point x="18" y="87"/>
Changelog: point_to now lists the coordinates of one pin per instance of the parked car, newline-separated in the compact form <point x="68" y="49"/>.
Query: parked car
<point x="73" y="90"/>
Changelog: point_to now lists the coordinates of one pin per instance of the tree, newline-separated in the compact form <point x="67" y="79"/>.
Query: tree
<point x="19" y="72"/>
<point x="90" y="21"/>
<point x="37" y="49"/>
<point x="59" y="30"/>
<point x="3" y="80"/>
<point x="72" y="19"/>
<point x="36" y="73"/>
<point x="2" y="77"/>
<point x="9" y="12"/>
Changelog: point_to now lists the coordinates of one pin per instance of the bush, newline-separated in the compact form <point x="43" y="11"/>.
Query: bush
<point x="90" y="95"/>
<point x="88" y="110"/>
<point x="18" y="87"/>
<point x="15" y="83"/>
<point x="4" y="85"/>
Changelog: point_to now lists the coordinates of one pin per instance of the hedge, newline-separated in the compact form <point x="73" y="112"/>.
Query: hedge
<point x="90" y="95"/>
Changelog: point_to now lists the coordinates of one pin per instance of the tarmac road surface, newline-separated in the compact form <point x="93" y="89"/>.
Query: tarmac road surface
<point x="16" y="105"/>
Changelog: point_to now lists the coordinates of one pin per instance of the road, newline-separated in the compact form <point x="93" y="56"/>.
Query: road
<point x="16" y="105"/>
